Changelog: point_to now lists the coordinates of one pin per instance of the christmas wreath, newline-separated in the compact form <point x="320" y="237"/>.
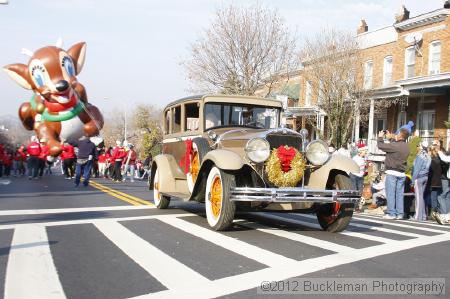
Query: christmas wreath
<point x="285" y="166"/>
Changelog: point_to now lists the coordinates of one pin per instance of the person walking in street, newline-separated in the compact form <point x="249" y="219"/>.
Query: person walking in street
<point x="33" y="150"/>
<point x="397" y="152"/>
<point x="8" y="162"/>
<point x="147" y="166"/>
<point x="421" y="168"/>
<point x="130" y="163"/>
<point x="102" y="163"/>
<point x="68" y="160"/>
<point x="118" y="155"/>
<point x="42" y="157"/>
<point x="85" y="158"/>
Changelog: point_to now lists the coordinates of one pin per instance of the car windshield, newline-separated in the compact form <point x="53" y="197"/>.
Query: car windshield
<point x="224" y="114"/>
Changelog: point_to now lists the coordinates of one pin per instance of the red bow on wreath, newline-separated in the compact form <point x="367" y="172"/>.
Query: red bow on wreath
<point x="285" y="155"/>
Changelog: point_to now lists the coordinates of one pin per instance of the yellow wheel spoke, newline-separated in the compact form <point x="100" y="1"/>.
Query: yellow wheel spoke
<point x="216" y="196"/>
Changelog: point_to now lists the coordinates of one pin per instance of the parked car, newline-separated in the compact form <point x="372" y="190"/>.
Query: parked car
<point x="231" y="153"/>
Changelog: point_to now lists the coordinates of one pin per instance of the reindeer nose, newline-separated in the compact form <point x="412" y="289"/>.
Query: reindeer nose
<point x="62" y="85"/>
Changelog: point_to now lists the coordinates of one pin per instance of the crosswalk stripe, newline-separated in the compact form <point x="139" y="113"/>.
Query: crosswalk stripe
<point x="31" y="272"/>
<point x="425" y="224"/>
<point x="89" y="220"/>
<point x="367" y="237"/>
<point x="249" y="251"/>
<point x="170" y="272"/>
<point x="71" y="210"/>
<point x="317" y="226"/>
<point x="299" y="238"/>
<point x="380" y="229"/>
<point x="401" y="225"/>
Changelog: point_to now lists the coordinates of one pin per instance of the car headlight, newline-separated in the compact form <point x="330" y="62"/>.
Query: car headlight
<point x="317" y="152"/>
<point x="258" y="150"/>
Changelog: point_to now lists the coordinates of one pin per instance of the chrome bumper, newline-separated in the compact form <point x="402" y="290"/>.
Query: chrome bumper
<point x="289" y="195"/>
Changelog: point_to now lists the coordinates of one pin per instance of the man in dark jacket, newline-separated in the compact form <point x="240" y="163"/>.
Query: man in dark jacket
<point x="86" y="153"/>
<point x="397" y="152"/>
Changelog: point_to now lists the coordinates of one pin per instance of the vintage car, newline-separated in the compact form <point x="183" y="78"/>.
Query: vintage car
<point x="231" y="153"/>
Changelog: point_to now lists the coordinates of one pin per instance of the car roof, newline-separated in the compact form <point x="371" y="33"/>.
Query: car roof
<point x="265" y="101"/>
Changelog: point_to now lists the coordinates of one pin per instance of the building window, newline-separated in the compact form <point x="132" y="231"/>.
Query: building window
<point x="434" y="62"/>
<point x="410" y="62"/>
<point x="368" y="74"/>
<point x="401" y="119"/>
<point x="308" y="93"/>
<point x="387" y="71"/>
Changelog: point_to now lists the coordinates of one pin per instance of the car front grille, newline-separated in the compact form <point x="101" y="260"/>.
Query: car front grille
<point x="277" y="140"/>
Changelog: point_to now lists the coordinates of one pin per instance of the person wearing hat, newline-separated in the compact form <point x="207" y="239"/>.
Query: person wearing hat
<point x="420" y="171"/>
<point x="357" y="178"/>
<point x="408" y="127"/>
<point x="397" y="152"/>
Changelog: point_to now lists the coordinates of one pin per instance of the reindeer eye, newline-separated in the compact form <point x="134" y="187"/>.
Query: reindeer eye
<point x="67" y="64"/>
<point x="38" y="76"/>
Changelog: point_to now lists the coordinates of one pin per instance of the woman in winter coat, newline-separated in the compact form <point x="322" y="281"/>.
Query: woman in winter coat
<point x="420" y="172"/>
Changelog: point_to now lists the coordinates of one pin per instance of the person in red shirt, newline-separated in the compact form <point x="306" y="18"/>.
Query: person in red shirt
<point x="102" y="162"/>
<point x="43" y="157"/>
<point x="118" y="155"/>
<point x="130" y="163"/>
<point x="7" y="161"/>
<point x="34" y="150"/>
<point x="68" y="158"/>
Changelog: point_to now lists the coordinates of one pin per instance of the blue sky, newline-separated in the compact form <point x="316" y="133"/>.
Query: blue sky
<point x="134" y="47"/>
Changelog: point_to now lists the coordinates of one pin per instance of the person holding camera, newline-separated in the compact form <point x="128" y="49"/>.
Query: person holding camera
<point x="397" y="152"/>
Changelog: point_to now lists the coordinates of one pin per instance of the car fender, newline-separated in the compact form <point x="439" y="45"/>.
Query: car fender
<point x="171" y="173"/>
<point x="224" y="159"/>
<point x="319" y="178"/>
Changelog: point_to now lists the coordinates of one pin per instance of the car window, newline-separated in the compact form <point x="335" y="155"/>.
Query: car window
<point x="191" y="112"/>
<point x="176" y="127"/>
<point x="167" y="122"/>
<point x="224" y="114"/>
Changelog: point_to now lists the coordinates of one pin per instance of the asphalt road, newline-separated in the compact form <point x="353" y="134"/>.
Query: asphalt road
<point x="108" y="241"/>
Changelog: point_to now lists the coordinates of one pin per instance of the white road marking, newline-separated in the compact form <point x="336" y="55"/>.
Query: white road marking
<point x="242" y="282"/>
<point x="170" y="272"/>
<point x="31" y="272"/>
<point x="375" y="228"/>
<point x="425" y="224"/>
<point x="396" y="223"/>
<point x="249" y="251"/>
<point x="71" y="210"/>
<point x="299" y="238"/>
<point x="90" y="220"/>
<point x="318" y="227"/>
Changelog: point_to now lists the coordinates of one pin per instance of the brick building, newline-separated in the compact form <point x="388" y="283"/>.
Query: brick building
<point x="409" y="63"/>
<point x="406" y="64"/>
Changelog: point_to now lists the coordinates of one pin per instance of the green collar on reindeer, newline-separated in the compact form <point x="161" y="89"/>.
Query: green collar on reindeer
<point x="61" y="116"/>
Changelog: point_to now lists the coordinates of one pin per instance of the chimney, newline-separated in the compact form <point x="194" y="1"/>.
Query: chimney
<point x="362" y="27"/>
<point x="447" y="4"/>
<point x="402" y="15"/>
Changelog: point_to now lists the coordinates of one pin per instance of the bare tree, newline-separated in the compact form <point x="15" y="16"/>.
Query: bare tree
<point x="334" y="67"/>
<point x="243" y="50"/>
<point x="147" y="130"/>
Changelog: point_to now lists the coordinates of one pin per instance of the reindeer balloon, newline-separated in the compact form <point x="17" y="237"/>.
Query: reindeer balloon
<point x="59" y="108"/>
